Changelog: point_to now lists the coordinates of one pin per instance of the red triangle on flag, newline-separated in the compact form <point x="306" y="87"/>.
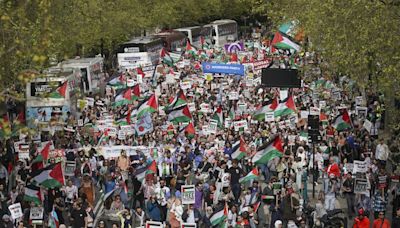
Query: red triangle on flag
<point x="278" y="144"/>
<point x="277" y="39"/>
<point x="63" y="89"/>
<point x="57" y="173"/>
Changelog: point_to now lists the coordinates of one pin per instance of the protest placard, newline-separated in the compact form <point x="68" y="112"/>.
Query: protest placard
<point x="70" y="167"/>
<point x="361" y="186"/>
<point x="192" y="106"/>
<point x="205" y="108"/>
<point x="185" y="85"/>
<point x="152" y="224"/>
<point x="359" y="100"/>
<point x="121" y="135"/>
<point x="241" y="124"/>
<point x="188" y="194"/>
<point x="36" y="213"/>
<point x="226" y="179"/>
<point x="367" y="125"/>
<point x="361" y="112"/>
<point x="269" y="116"/>
<point x="212" y="127"/>
<point x="315" y="111"/>
<point x="15" y="210"/>
<point x="322" y="104"/>
<point x="188" y="225"/>
<point x="359" y="166"/>
<point x="228" y="122"/>
<point x="22" y="149"/>
<point x="233" y="95"/>
<point x="242" y="107"/>
<point x="90" y="101"/>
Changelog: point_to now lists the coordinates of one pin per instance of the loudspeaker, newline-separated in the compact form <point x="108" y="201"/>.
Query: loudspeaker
<point x="282" y="78"/>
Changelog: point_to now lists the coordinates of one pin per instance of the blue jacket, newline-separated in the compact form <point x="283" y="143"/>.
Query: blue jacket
<point x="153" y="211"/>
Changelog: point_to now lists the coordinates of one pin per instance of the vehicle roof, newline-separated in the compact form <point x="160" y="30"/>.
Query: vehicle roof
<point x="80" y="62"/>
<point x="222" y="21"/>
<point x="143" y="40"/>
<point x="187" y="28"/>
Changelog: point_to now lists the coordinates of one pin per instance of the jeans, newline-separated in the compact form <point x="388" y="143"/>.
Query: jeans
<point x="236" y="191"/>
<point x="330" y="201"/>
<point x="350" y="199"/>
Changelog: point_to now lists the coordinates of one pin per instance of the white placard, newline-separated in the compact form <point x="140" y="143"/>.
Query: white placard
<point x="212" y="127"/>
<point x="69" y="169"/>
<point x="22" y="149"/>
<point x="152" y="224"/>
<point x="139" y="78"/>
<point x="36" y="213"/>
<point x="169" y="78"/>
<point x="80" y="122"/>
<point x="367" y="125"/>
<point x="362" y="112"/>
<point x="304" y="114"/>
<point x="205" y="108"/>
<point x="226" y="179"/>
<point x="359" y="100"/>
<point x="233" y="95"/>
<point x="111" y="131"/>
<point x="315" y="111"/>
<point x="90" y="101"/>
<point x="240" y="124"/>
<point x="161" y="111"/>
<point x="16" y="211"/>
<point x="269" y="116"/>
<point x="204" y="129"/>
<point x="192" y="107"/>
<point x="121" y="135"/>
<point x="322" y="104"/>
<point x="185" y="85"/>
<point x="130" y="82"/>
<point x="228" y="122"/>
<point x="242" y="107"/>
<point x="283" y="94"/>
<point x="188" y="194"/>
<point x="360" y="166"/>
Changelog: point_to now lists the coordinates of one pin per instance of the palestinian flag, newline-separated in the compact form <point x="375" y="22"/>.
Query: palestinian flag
<point x="323" y="118"/>
<point x="283" y="42"/>
<point x="147" y="106"/>
<point x="220" y="216"/>
<point x="268" y="151"/>
<point x="33" y="194"/>
<point x="51" y="176"/>
<point x="232" y="113"/>
<point x="125" y="118"/>
<point x="219" y="117"/>
<point x="239" y="149"/>
<point x="190" y="49"/>
<point x="270" y="106"/>
<point x="142" y="172"/>
<point x="43" y="154"/>
<point x="140" y="72"/>
<point x="119" y="81"/>
<point x="251" y="176"/>
<point x="179" y="101"/>
<point x="342" y="122"/>
<point x="286" y="107"/>
<point x="190" y="131"/>
<point x="180" y="115"/>
<point x="53" y="220"/>
<point x="124" y="97"/>
<point x="152" y="168"/>
<point x="166" y="58"/>
<point x="234" y="57"/>
<point x="60" y="91"/>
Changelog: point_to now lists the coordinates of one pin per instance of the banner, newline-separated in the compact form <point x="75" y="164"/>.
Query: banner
<point x="258" y="65"/>
<point x="188" y="193"/>
<point x="115" y="151"/>
<point x="361" y="186"/>
<point x="216" y="68"/>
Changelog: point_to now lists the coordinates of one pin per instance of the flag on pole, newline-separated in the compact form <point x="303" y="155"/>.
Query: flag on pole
<point x="220" y="216"/>
<point x="51" y="176"/>
<point x="147" y="106"/>
<point x="268" y="151"/>
<point x="250" y="176"/>
<point x="239" y="149"/>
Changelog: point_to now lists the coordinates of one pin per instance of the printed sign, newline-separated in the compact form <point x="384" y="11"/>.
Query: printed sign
<point x="188" y="225"/>
<point x="382" y="181"/>
<point x="228" y="122"/>
<point x="192" y="107"/>
<point x="16" y="211"/>
<point x="322" y="104"/>
<point x="36" y="213"/>
<point x="361" y="186"/>
<point x="217" y="68"/>
<point x="22" y="149"/>
<point x="70" y="167"/>
<point x="185" y="85"/>
<point x="269" y="116"/>
<point x="121" y="135"/>
<point x="241" y="124"/>
<point x="188" y="193"/>
<point x="226" y="179"/>
<point x="205" y="108"/>
<point x="151" y="224"/>
<point x="258" y="65"/>
<point x="233" y="95"/>
<point x="359" y="100"/>
<point x="234" y="47"/>
<point x="315" y="111"/>
<point x="212" y="127"/>
<point x="359" y="166"/>
<point x="361" y="112"/>
<point x="367" y="125"/>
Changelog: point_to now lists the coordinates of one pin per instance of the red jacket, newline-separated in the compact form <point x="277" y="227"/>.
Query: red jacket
<point x="361" y="223"/>
<point x="378" y="223"/>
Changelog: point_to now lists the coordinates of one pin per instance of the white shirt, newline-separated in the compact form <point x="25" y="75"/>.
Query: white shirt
<point x="191" y="218"/>
<point x="71" y="192"/>
<point x="162" y="193"/>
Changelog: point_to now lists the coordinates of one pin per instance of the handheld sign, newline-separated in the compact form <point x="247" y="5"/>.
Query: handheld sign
<point x="188" y="193"/>
<point x="16" y="211"/>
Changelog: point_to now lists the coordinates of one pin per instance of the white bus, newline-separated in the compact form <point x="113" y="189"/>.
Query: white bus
<point x="195" y="33"/>
<point x="223" y="31"/>
<point x="91" y="70"/>
<point x="140" y="52"/>
<point x="51" y="97"/>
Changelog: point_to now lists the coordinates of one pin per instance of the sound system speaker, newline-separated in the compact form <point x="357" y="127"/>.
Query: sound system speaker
<point x="313" y="122"/>
<point x="281" y="78"/>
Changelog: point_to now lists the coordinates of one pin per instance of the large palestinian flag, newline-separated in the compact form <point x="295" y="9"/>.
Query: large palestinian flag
<point x="147" y="106"/>
<point x="60" y="91"/>
<point x="239" y="149"/>
<point x="282" y="42"/>
<point x="342" y="122"/>
<point x="220" y="216"/>
<point x="180" y="115"/>
<point x="268" y="151"/>
<point x="33" y="194"/>
<point x="190" y="49"/>
<point x="51" y="176"/>
<point x="286" y="107"/>
<point x="123" y="97"/>
<point x="270" y="106"/>
<point x="178" y="101"/>
<point x="43" y="154"/>
<point x="190" y="131"/>
<point x="251" y="176"/>
<point x="166" y="58"/>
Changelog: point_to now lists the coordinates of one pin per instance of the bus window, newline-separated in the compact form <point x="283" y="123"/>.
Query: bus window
<point x="84" y="80"/>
